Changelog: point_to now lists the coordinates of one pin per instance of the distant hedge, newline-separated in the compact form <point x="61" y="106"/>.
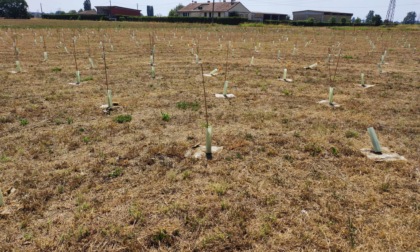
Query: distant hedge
<point x="75" y="17"/>
<point x="227" y="21"/>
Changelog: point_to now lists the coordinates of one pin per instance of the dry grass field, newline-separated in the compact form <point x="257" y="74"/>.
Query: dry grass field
<point x="291" y="176"/>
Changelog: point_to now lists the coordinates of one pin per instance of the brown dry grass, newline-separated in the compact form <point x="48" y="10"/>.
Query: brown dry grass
<point x="290" y="177"/>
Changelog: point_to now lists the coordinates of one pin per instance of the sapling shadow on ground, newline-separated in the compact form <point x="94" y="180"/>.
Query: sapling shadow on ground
<point x="379" y="153"/>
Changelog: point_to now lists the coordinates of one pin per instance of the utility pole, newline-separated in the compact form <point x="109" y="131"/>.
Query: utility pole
<point x="137" y="6"/>
<point x="212" y="14"/>
<point x="41" y="8"/>
<point x="110" y="7"/>
<point x="390" y="14"/>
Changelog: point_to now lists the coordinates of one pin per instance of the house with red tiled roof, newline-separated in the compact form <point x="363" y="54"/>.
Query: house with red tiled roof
<point x="220" y="9"/>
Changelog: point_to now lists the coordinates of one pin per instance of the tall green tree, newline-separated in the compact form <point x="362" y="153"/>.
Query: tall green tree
<point x="377" y="20"/>
<point x="14" y="9"/>
<point x="173" y="12"/>
<point x="410" y="18"/>
<point x="369" y="17"/>
<point x="87" y="6"/>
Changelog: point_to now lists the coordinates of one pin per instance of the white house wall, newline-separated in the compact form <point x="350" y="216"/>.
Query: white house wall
<point x="241" y="10"/>
<point x="238" y="8"/>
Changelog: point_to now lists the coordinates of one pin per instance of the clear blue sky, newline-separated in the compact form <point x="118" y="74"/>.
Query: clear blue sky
<point x="359" y="8"/>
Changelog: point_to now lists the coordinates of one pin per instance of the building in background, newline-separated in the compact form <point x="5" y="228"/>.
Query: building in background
<point x="321" y="16"/>
<point x="150" y="12"/>
<point x="221" y="9"/>
<point x="263" y="17"/>
<point x="88" y="12"/>
<point x="113" y="11"/>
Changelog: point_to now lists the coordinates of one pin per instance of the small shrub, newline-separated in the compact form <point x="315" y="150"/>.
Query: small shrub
<point x="116" y="173"/>
<point x="224" y="205"/>
<point x="288" y="158"/>
<point x="136" y="215"/>
<point x="24" y="122"/>
<point x="161" y="237"/>
<point x="123" y="118"/>
<point x="287" y="92"/>
<point x="194" y="106"/>
<point x="249" y="137"/>
<point x="219" y="189"/>
<point x="310" y="20"/>
<point x="58" y="121"/>
<point x="28" y="236"/>
<point x="4" y="158"/>
<point x="7" y="119"/>
<point x="60" y="189"/>
<point x="56" y="69"/>
<point x="88" y="78"/>
<point x="86" y="139"/>
<point x="263" y="87"/>
<point x="334" y="151"/>
<point x="313" y="149"/>
<point x="351" y="134"/>
<point x="186" y="174"/>
<point x="166" y="117"/>
<point x="82" y="232"/>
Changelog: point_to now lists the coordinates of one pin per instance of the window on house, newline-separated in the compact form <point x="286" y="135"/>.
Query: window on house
<point x="219" y="14"/>
<point x="186" y="14"/>
<point x="205" y="14"/>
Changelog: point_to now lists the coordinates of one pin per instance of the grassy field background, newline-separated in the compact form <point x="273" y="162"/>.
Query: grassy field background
<point x="290" y="177"/>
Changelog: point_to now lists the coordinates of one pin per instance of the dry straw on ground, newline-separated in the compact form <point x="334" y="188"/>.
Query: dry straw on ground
<point x="290" y="177"/>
